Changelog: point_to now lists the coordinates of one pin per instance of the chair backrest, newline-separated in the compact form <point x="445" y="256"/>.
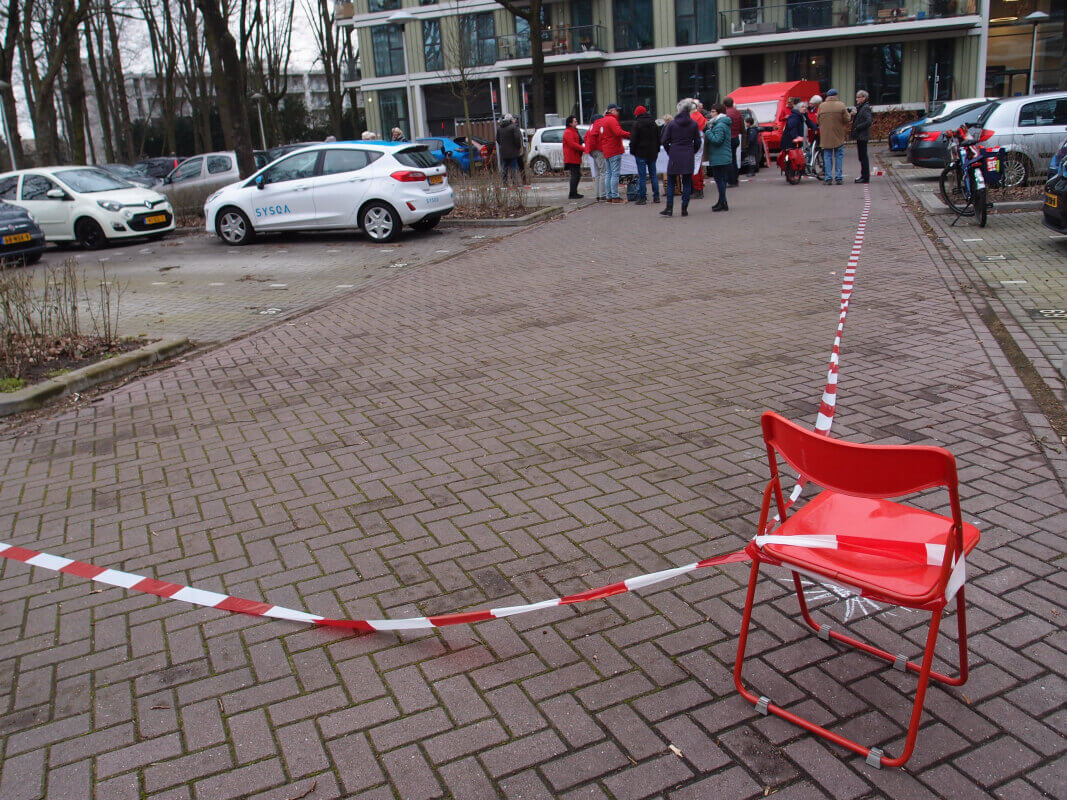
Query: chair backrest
<point x="862" y="470"/>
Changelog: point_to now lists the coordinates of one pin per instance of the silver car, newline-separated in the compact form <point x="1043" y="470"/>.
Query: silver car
<point x="1030" y="129"/>
<point x="206" y="172"/>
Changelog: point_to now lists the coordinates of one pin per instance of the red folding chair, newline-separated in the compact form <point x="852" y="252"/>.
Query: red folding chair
<point x="850" y="534"/>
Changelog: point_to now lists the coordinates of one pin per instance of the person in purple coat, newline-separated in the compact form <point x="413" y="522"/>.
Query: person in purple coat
<point x="681" y="140"/>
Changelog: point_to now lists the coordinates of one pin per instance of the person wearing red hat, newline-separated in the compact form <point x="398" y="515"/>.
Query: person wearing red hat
<point x="644" y="147"/>
<point x="702" y="122"/>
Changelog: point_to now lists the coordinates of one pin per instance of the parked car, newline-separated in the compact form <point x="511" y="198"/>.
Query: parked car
<point x="158" y="168"/>
<point x="131" y="174"/>
<point x="274" y="153"/>
<point x="87" y="205"/>
<point x="1029" y="129"/>
<point x="1055" y="209"/>
<point x="1058" y="159"/>
<point x="450" y="152"/>
<point x="928" y="146"/>
<point x="486" y="149"/>
<point x="206" y="172"/>
<point x="376" y="187"/>
<point x="900" y="135"/>
<point x="545" y="152"/>
<point x="21" y="238"/>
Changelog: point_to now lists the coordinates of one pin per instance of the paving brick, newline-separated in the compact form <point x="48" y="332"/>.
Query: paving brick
<point x="648" y="778"/>
<point x="355" y="762"/>
<point x="241" y="782"/>
<point x="410" y="774"/>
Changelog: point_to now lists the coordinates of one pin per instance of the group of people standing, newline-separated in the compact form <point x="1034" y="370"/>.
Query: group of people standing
<point x="830" y="123"/>
<point x="686" y="138"/>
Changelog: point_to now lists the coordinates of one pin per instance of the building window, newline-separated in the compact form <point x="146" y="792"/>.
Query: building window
<point x="427" y="2"/>
<point x="939" y="69"/>
<point x="878" y="71"/>
<point x="526" y="87"/>
<point x="752" y="69"/>
<point x="700" y="79"/>
<point x="806" y="15"/>
<point x="384" y="5"/>
<point x="809" y="65"/>
<point x="477" y="34"/>
<point x="581" y="13"/>
<point x="633" y="24"/>
<point x="635" y="86"/>
<point x="695" y="21"/>
<point x="388" y="44"/>
<point x="431" y="44"/>
<point x="588" y="89"/>
<point x="393" y="105"/>
<point x="750" y="12"/>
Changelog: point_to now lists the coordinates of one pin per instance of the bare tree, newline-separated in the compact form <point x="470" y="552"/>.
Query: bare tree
<point x="530" y="10"/>
<point x="228" y="70"/>
<point x="194" y="74"/>
<point x="163" y="40"/>
<point x="456" y="41"/>
<point x="271" y="51"/>
<point x="319" y="15"/>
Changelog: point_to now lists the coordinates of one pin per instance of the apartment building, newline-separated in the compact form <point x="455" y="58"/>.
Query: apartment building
<point x="652" y="52"/>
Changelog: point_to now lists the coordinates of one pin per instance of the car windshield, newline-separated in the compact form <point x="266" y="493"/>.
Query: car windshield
<point x="90" y="180"/>
<point x="935" y="108"/>
<point x="986" y="114"/>
<point x="416" y="157"/>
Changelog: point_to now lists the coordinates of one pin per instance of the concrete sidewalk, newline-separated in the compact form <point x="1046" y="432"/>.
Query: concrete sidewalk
<point x="571" y="407"/>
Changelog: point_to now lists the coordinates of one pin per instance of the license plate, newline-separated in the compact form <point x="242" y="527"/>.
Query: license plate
<point x="992" y="164"/>
<point x="17" y="238"/>
<point x="436" y="179"/>
<point x="155" y="219"/>
<point x="1051" y="200"/>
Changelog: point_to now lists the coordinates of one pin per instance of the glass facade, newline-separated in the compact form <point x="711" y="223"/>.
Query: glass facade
<point x="431" y="44"/>
<point x="878" y="71"/>
<point x="477" y="33"/>
<point x="588" y="107"/>
<point x="700" y="79"/>
<point x="809" y="65"/>
<point x="394" y="110"/>
<point x="383" y="5"/>
<point x="694" y="21"/>
<point x="387" y="42"/>
<point x="635" y="86"/>
<point x="581" y="12"/>
<point x="939" y="60"/>
<point x="633" y="24"/>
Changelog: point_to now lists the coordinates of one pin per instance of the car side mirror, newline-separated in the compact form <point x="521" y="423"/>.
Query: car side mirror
<point x="166" y="180"/>
<point x="56" y="194"/>
<point x="260" y="181"/>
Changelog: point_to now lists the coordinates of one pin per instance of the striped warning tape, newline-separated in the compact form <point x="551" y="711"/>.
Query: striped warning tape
<point x="223" y="602"/>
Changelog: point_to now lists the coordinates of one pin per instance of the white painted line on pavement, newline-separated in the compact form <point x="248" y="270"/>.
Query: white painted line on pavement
<point x="216" y="284"/>
<point x="278" y="285"/>
<point x="345" y="285"/>
<point x="1010" y="283"/>
<point x="973" y="240"/>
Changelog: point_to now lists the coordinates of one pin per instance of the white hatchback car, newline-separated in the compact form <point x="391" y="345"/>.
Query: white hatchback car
<point x="87" y="205"/>
<point x="377" y="187"/>
<point x="546" y="149"/>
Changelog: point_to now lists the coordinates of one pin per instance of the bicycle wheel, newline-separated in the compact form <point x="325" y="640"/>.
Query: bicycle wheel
<point x="793" y="176"/>
<point x="954" y="193"/>
<point x="981" y="209"/>
<point x="818" y="166"/>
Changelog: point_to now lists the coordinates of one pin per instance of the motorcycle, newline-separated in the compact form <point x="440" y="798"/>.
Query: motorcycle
<point x="793" y="161"/>
<point x="971" y="171"/>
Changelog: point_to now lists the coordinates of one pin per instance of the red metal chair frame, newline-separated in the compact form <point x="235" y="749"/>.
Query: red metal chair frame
<point x="873" y="472"/>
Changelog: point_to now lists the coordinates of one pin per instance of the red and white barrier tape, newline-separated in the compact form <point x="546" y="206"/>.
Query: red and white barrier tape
<point x="201" y="597"/>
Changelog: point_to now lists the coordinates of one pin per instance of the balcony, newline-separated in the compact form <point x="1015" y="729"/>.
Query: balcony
<point x="350" y="71"/>
<point x="554" y="42"/>
<point x="824" y="14"/>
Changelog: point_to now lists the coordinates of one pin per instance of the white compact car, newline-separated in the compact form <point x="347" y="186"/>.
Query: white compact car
<point x="376" y="187"/>
<point x="546" y="149"/>
<point x="87" y="205"/>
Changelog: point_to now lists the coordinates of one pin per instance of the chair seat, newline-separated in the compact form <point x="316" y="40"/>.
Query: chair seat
<point x="892" y="579"/>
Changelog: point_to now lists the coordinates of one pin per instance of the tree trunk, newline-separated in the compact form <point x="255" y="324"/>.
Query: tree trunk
<point x="75" y="98"/>
<point x="230" y="83"/>
<point x="124" y="128"/>
<point x="7" y="62"/>
<point x="103" y="99"/>
<point x="537" y="57"/>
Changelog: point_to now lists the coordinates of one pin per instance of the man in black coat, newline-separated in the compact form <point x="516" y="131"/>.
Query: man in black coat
<point x="509" y="140"/>
<point x="861" y="132"/>
<point x="644" y="147"/>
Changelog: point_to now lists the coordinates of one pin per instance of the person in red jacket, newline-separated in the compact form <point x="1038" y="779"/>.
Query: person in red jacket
<point x="702" y="122"/>
<point x="611" y="136"/>
<point x="572" y="155"/>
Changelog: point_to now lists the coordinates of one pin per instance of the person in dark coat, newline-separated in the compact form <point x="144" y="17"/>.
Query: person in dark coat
<point x="752" y="152"/>
<point x="795" y="125"/>
<point x="572" y="155"/>
<point x="737" y="130"/>
<point x="644" y="147"/>
<point x="509" y="140"/>
<point x="681" y="139"/>
<point x="861" y="132"/>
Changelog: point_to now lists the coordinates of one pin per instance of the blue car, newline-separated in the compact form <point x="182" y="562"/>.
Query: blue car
<point x="900" y="135"/>
<point x="447" y="150"/>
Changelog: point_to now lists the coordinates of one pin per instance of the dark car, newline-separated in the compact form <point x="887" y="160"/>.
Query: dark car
<point x="157" y="168"/>
<point x="1055" y="209"/>
<point x="928" y="146"/>
<point x="284" y="149"/>
<point x="1057" y="162"/>
<point x="131" y="174"/>
<point x="20" y="235"/>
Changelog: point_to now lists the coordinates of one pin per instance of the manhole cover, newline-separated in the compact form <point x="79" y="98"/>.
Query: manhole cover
<point x="269" y="312"/>
<point x="1047" y="313"/>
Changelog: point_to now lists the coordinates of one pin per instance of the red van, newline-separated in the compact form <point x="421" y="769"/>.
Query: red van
<point x="768" y="104"/>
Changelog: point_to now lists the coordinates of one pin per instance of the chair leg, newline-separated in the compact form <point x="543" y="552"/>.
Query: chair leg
<point x="920" y="694"/>
<point x="894" y="659"/>
<point x="742" y="639"/>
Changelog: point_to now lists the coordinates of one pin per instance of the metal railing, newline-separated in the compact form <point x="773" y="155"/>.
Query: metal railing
<point x="350" y="71"/>
<point x="823" y="14"/>
<point x="555" y="41"/>
<point x="632" y="37"/>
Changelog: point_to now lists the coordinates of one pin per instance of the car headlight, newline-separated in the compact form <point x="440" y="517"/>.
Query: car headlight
<point x="110" y="205"/>
<point x="212" y="197"/>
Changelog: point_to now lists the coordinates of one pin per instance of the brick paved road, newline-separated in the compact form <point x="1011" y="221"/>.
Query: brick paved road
<point x="573" y="407"/>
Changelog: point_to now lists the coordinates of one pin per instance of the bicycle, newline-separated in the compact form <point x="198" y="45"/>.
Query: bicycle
<point x="971" y="170"/>
<point x="816" y="165"/>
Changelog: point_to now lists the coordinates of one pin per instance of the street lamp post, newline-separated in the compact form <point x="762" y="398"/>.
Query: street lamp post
<point x="4" y="86"/>
<point x="259" y="107"/>
<point x="399" y="19"/>
<point x="1035" y="19"/>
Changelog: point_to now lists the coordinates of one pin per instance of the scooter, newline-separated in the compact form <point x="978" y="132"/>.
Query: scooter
<point x="792" y="161"/>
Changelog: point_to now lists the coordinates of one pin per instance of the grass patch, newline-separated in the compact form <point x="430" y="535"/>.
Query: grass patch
<point x="11" y="384"/>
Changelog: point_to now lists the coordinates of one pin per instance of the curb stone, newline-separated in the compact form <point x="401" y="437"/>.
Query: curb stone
<point x="535" y="216"/>
<point x="37" y="395"/>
